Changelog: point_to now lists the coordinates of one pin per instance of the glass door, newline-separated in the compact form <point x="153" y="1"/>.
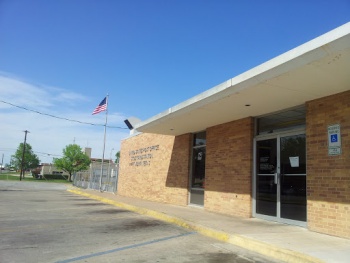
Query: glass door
<point x="266" y="177"/>
<point x="293" y="177"/>
<point x="280" y="178"/>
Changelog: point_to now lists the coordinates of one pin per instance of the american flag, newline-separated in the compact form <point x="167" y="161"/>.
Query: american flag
<point x="101" y="107"/>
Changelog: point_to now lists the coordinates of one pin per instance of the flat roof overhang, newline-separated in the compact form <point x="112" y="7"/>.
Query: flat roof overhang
<point x="318" y="68"/>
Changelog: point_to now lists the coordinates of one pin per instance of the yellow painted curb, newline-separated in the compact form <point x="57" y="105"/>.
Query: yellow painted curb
<point x="282" y="254"/>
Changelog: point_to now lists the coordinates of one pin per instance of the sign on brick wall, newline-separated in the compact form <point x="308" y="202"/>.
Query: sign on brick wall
<point x="142" y="156"/>
<point x="334" y="140"/>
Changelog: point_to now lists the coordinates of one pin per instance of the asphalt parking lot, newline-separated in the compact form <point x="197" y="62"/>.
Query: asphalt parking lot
<point x="42" y="222"/>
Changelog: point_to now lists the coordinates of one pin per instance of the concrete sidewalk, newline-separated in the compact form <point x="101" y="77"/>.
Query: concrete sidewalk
<point x="283" y="242"/>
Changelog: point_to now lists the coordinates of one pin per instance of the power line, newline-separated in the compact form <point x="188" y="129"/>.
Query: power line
<point x="47" y="154"/>
<point x="41" y="153"/>
<point x="61" y="118"/>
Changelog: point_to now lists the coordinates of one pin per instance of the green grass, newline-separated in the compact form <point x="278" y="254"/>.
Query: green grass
<point x="28" y="178"/>
<point x="9" y="176"/>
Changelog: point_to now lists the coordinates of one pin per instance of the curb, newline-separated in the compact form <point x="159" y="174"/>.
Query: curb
<point x="266" y="249"/>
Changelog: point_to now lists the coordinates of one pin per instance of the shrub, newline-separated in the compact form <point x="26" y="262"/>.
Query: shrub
<point x="55" y="176"/>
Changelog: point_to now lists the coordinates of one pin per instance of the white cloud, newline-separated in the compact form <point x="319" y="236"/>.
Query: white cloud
<point x="18" y="92"/>
<point x="47" y="135"/>
<point x="61" y="95"/>
<point x="24" y="93"/>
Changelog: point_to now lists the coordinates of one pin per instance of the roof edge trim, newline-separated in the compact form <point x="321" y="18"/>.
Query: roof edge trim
<point x="269" y="69"/>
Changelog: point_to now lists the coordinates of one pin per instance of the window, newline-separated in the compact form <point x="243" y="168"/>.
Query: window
<point x="198" y="159"/>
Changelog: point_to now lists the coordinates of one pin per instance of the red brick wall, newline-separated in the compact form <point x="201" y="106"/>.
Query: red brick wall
<point x="328" y="177"/>
<point x="228" y="178"/>
<point x="155" y="167"/>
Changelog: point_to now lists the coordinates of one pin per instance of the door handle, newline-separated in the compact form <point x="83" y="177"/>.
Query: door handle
<point x="277" y="175"/>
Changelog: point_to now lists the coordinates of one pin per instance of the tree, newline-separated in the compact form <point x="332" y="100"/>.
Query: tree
<point x="117" y="156"/>
<point x="31" y="160"/>
<point x="73" y="160"/>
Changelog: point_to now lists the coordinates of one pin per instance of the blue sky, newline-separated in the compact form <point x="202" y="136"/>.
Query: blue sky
<point x="62" y="58"/>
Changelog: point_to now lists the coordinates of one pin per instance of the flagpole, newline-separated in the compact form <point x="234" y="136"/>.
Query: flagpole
<point x="104" y="144"/>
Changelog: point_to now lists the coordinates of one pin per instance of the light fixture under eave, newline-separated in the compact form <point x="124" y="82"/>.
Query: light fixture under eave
<point x="128" y="124"/>
<point x="131" y="122"/>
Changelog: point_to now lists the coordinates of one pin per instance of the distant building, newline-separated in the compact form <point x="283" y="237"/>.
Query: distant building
<point x="48" y="168"/>
<point x="95" y="166"/>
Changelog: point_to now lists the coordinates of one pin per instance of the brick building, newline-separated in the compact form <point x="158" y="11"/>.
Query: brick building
<point x="271" y="143"/>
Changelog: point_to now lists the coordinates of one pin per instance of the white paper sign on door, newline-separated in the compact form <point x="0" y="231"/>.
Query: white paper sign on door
<point x="294" y="161"/>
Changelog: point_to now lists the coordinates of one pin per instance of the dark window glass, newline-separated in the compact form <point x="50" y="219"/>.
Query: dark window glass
<point x="198" y="172"/>
<point x="293" y="155"/>
<point x="267" y="156"/>
<point x="281" y="121"/>
<point x="293" y="179"/>
<point x="199" y="139"/>
<point x="198" y="160"/>
<point x="266" y="200"/>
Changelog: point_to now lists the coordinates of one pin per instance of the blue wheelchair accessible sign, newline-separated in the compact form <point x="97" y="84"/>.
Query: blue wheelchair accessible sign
<point x="334" y="140"/>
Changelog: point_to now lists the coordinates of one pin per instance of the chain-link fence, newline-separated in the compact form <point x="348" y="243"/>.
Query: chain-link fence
<point x="92" y="179"/>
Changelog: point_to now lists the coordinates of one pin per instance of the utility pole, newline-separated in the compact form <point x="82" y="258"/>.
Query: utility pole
<point x="2" y="163"/>
<point x="24" y="149"/>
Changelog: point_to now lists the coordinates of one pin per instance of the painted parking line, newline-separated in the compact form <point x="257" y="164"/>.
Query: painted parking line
<point x="124" y="248"/>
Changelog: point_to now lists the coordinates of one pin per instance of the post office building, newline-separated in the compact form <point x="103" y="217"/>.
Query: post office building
<point x="271" y="143"/>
